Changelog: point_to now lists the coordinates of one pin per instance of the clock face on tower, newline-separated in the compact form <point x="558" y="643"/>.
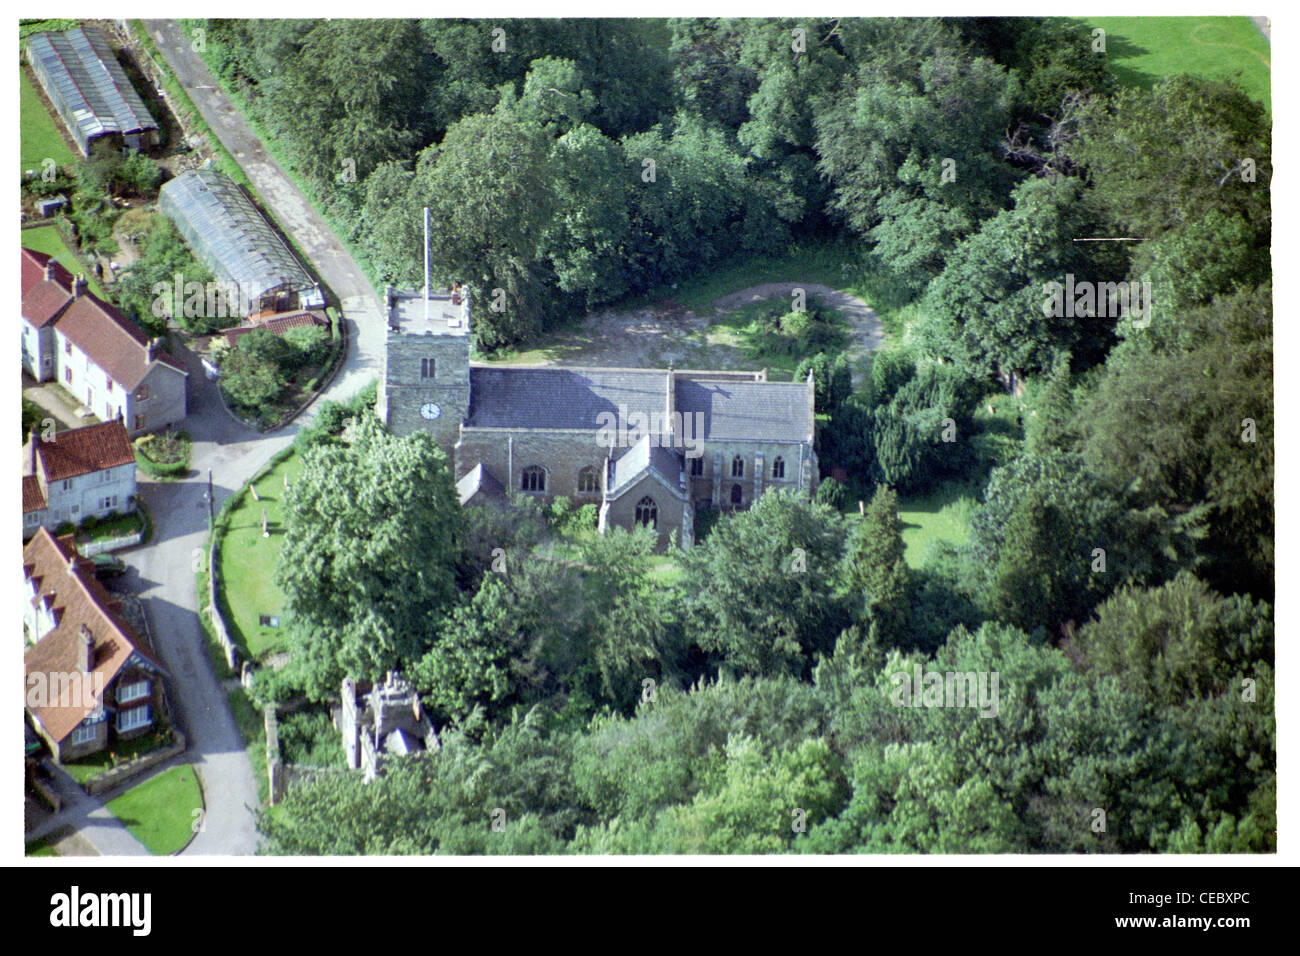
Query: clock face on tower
<point x="430" y="410"/>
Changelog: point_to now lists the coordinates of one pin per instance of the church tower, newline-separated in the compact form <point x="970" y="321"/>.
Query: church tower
<point x="425" y="381"/>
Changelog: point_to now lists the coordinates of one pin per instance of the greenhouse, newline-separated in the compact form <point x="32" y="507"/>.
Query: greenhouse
<point x="232" y="237"/>
<point x="90" y="90"/>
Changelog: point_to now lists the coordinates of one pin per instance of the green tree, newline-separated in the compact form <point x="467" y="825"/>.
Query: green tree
<point x="762" y="585"/>
<point x="366" y="565"/>
<point x="875" y="571"/>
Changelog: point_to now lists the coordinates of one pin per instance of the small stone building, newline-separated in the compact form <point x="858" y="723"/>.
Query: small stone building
<point x="386" y="722"/>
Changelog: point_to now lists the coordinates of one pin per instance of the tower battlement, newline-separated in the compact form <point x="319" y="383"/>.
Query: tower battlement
<point x="445" y="312"/>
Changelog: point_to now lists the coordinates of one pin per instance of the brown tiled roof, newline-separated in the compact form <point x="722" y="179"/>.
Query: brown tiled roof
<point x="113" y="342"/>
<point x="33" y="497"/>
<point x="278" y="324"/>
<point x="33" y="270"/>
<point x="80" y="451"/>
<point x="69" y="583"/>
<point x="43" y="299"/>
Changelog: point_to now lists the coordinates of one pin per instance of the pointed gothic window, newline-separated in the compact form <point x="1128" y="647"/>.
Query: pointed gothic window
<point x="778" y="467"/>
<point x="533" y="479"/>
<point x="737" y="467"/>
<point x="647" y="512"/>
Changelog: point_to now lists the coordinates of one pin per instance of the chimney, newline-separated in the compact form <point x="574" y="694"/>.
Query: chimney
<point x="49" y="270"/>
<point x="151" y="350"/>
<point x="79" y="286"/>
<point x="85" y="644"/>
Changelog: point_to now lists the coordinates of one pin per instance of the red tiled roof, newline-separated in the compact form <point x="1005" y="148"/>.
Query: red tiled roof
<point x="43" y="298"/>
<point x="67" y="582"/>
<point x="33" y="497"/>
<point x="278" y="324"/>
<point x="33" y="270"/>
<point x="81" y="451"/>
<point x="113" y="342"/>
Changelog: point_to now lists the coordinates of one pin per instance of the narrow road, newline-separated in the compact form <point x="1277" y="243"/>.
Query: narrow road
<point x="163" y="572"/>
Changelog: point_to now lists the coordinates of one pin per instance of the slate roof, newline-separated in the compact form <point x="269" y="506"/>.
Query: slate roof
<point x="562" y="397"/>
<point x="642" y="457"/>
<point x="80" y="451"/>
<point x="67" y="582"/>
<point x="748" y="411"/>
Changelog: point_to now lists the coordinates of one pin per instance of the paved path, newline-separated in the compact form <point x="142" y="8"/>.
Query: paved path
<point x="98" y="830"/>
<point x="162" y="573"/>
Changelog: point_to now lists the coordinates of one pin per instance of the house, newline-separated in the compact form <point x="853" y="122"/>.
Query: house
<point x="75" y="475"/>
<point x="646" y="446"/>
<point x="228" y="233"/>
<point x="90" y="680"/>
<point x="89" y="89"/>
<point x="98" y="355"/>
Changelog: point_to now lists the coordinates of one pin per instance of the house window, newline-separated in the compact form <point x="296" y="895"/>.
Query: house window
<point x="67" y="346"/>
<point x="133" y="691"/>
<point x="139" y="422"/>
<point x="737" y="467"/>
<point x="427" y="367"/>
<point x="31" y="517"/>
<point x="67" y="375"/>
<point x="134" y="719"/>
<point x="67" y="484"/>
<point x="142" y="393"/>
<point x="83" y="733"/>
<point x="108" y="503"/>
<point x="533" y="479"/>
<point x="697" y="466"/>
<point x="647" y="512"/>
<point x="778" y="467"/>
<point x="587" y="482"/>
<point x="736" y="494"/>
<point x="108" y="384"/>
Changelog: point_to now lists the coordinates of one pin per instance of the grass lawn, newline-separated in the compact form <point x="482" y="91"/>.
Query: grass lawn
<point x="942" y="515"/>
<point x="247" y="562"/>
<point x="41" y="137"/>
<point x="47" y="239"/>
<point x="160" y="812"/>
<point x="39" y="848"/>
<point x="1146" y="49"/>
<point x="95" y="764"/>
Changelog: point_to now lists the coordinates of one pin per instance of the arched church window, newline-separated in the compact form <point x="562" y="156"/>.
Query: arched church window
<point x="533" y="478"/>
<point x="647" y="512"/>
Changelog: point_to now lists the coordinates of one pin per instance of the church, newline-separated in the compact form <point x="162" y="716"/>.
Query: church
<point x="647" y="446"/>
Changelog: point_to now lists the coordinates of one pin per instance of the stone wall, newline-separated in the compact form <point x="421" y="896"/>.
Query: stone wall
<point x="562" y="452"/>
<point x="136" y="766"/>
